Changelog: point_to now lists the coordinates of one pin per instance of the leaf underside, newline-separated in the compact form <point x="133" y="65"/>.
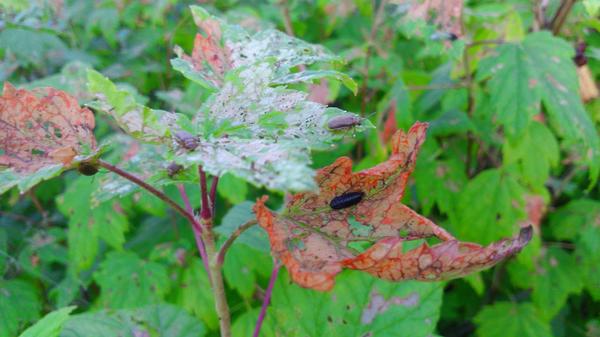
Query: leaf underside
<point x="315" y="242"/>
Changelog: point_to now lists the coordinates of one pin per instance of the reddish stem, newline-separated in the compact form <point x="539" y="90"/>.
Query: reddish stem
<point x="197" y="231"/>
<point x="205" y="213"/>
<point x="151" y="189"/>
<point x="267" y="299"/>
<point x="213" y="194"/>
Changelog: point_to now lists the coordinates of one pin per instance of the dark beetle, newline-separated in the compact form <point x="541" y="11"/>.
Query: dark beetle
<point x="346" y="200"/>
<point x="87" y="168"/>
<point x="186" y="140"/>
<point x="344" y="122"/>
<point x="173" y="169"/>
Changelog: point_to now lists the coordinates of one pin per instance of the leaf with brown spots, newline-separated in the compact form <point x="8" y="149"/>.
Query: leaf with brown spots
<point x="316" y="242"/>
<point x="44" y="131"/>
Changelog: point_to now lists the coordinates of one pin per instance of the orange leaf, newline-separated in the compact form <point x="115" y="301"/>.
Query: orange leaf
<point x="42" y="127"/>
<point x="314" y="240"/>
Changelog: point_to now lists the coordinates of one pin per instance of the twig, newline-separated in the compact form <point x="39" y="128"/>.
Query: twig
<point x="38" y="206"/>
<point x="232" y="238"/>
<point x="561" y="16"/>
<point x="267" y="299"/>
<point x="149" y="188"/>
<point x="539" y="11"/>
<point x="205" y="213"/>
<point x="287" y="20"/>
<point x="197" y="231"/>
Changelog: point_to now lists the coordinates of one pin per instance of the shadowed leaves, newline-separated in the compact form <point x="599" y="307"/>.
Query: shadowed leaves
<point x="316" y="241"/>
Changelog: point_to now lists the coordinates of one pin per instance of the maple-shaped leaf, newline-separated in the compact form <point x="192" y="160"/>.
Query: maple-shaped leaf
<point x="222" y="47"/>
<point x="44" y="131"/>
<point x="252" y="125"/>
<point x="316" y="234"/>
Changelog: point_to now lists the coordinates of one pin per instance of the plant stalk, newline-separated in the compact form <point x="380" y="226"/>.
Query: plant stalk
<point x="218" y="286"/>
<point x="197" y="232"/>
<point x="232" y="238"/>
<point x="267" y="299"/>
<point x="159" y="194"/>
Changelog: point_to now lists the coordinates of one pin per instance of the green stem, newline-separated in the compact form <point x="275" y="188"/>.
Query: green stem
<point x="217" y="282"/>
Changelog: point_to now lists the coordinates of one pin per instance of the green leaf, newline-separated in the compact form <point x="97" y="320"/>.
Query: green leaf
<point x="541" y="69"/>
<point x="30" y="46"/>
<point x="155" y="320"/>
<point x="243" y="265"/>
<point x="71" y="79"/>
<point x="239" y="214"/>
<point x="535" y="153"/>
<point x="139" y="121"/>
<point x="489" y="207"/>
<point x="50" y="325"/>
<point x="232" y="188"/>
<point x="195" y="294"/>
<point x="87" y="224"/>
<point x="558" y="276"/>
<point x="3" y="251"/>
<point x="359" y="305"/>
<point x="19" y="304"/>
<point x="506" y="319"/>
<point x="514" y="92"/>
<point x="438" y="181"/>
<point x="127" y="281"/>
<point x="578" y="221"/>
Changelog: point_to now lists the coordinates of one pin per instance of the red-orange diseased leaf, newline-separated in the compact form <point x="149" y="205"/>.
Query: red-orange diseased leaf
<point x="446" y="260"/>
<point x="42" y="129"/>
<point x="315" y="241"/>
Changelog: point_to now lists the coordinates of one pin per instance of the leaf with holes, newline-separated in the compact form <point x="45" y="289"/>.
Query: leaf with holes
<point x="318" y="234"/>
<point x="44" y="132"/>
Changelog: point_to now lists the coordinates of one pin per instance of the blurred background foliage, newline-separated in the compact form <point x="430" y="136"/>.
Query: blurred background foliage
<point x="513" y="141"/>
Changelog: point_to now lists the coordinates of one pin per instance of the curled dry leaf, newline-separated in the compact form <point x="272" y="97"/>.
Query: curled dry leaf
<point x="315" y="241"/>
<point x="43" y="130"/>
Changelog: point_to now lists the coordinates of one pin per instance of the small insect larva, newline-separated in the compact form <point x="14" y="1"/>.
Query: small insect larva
<point x="87" y="169"/>
<point x="344" y="122"/>
<point x="186" y="140"/>
<point x="346" y="200"/>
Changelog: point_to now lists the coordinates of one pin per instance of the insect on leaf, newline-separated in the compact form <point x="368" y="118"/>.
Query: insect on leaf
<point x="316" y="241"/>
<point x="44" y="131"/>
